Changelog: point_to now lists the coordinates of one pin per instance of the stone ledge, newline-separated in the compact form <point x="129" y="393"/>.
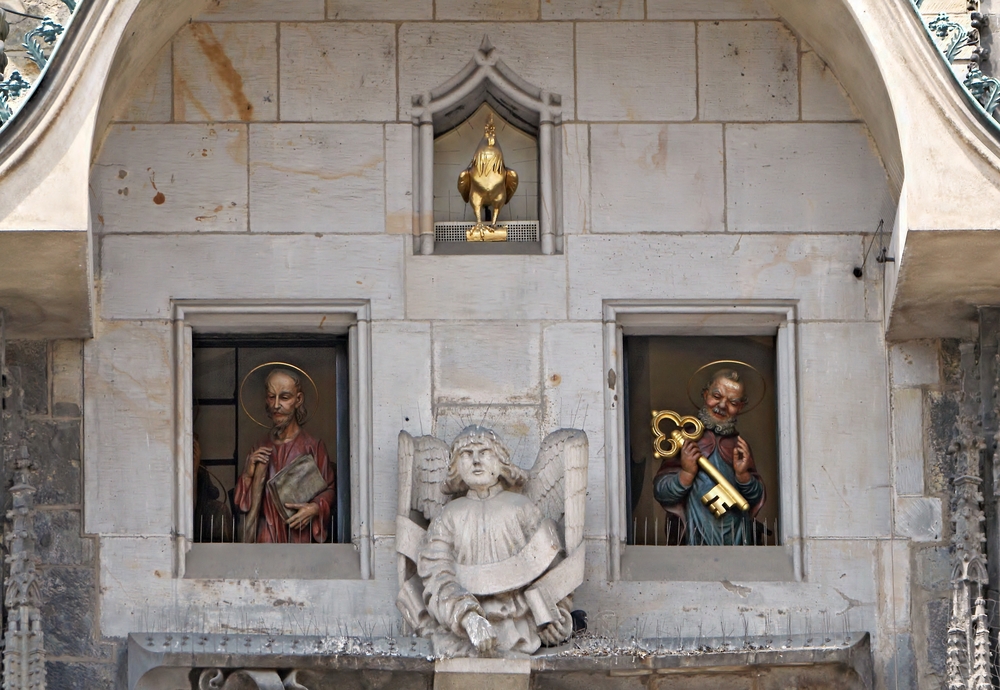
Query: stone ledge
<point x="155" y="660"/>
<point x="273" y="561"/>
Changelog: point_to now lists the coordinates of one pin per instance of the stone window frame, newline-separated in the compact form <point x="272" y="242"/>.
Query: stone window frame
<point x="777" y="318"/>
<point x="319" y="561"/>
<point x="487" y="79"/>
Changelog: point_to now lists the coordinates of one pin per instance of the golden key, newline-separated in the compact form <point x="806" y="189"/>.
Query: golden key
<point x="723" y="495"/>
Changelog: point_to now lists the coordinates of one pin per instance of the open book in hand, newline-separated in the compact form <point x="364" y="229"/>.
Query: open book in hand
<point x="298" y="482"/>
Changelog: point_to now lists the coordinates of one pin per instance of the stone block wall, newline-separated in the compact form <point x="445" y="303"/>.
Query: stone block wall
<point x="45" y="411"/>
<point x="924" y="398"/>
<point x="708" y="154"/>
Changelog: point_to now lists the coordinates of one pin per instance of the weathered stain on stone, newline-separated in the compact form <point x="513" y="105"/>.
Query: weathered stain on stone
<point x="662" y="143"/>
<point x="224" y="69"/>
<point x="359" y="171"/>
<point x="938" y="613"/>
<point x="30" y="359"/>
<point x="183" y="94"/>
<point x="941" y="411"/>
<point x="951" y="372"/>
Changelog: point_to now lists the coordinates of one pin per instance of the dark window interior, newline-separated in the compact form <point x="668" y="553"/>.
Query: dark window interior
<point x="657" y="371"/>
<point x="225" y="432"/>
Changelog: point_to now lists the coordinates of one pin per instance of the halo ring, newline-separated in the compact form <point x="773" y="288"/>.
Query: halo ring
<point x="274" y="364"/>
<point x="699" y="380"/>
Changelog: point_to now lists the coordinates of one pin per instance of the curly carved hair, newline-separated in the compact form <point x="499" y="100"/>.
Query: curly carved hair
<point x="511" y="475"/>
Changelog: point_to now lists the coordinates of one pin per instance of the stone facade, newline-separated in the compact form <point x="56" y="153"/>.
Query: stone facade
<point x="44" y="408"/>
<point x="258" y="159"/>
<point x="709" y="158"/>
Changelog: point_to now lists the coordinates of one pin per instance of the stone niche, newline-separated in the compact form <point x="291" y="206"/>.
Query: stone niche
<point x="449" y="124"/>
<point x="451" y="157"/>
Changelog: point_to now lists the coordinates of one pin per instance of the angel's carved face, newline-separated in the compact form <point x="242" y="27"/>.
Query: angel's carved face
<point x="479" y="466"/>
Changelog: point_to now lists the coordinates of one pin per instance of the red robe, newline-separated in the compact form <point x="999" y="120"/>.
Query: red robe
<point x="271" y="528"/>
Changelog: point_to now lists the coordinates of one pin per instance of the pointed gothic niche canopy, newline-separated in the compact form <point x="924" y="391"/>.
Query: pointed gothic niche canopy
<point x="534" y="111"/>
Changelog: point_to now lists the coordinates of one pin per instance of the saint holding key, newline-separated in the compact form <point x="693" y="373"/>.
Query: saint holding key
<point x="680" y="483"/>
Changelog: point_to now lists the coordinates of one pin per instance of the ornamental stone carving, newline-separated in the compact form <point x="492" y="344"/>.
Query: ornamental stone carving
<point x="490" y="554"/>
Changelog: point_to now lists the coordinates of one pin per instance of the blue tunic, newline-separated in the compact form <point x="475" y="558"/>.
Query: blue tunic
<point x="703" y="528"/>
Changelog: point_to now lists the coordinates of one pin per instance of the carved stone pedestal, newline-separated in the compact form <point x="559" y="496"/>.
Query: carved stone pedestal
<point x="482" y="674"/>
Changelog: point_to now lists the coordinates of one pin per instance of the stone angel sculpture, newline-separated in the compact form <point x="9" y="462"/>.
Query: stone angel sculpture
<point x="489" y="554"/>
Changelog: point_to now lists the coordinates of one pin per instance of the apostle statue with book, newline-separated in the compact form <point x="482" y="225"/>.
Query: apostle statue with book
<point x="288" y="487"/>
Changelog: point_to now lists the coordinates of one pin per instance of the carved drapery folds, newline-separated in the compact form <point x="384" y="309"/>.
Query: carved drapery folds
<point x="486" y="78"/>
<point x="246" y="679"/>
<point x="484" y="566"/>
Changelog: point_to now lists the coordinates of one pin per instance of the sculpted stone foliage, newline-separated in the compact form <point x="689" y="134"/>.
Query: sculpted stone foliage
<point x="490" y="554"/>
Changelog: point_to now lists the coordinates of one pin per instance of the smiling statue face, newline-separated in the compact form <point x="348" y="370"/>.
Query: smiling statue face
<point x="283" y="398"/>
<point x="478" y="466"/>
<point x="724" y="399"/>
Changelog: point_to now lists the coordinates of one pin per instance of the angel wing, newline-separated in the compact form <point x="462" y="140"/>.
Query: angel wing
<point x="423" y="469"/>
<point x="557" y="483"/>
<point x="510" y="184"/>
<point x="465" y="184"/>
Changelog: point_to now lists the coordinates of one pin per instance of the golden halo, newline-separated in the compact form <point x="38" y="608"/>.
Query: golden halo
<point x="699" y="380"/>
<point x="274" y="364"/>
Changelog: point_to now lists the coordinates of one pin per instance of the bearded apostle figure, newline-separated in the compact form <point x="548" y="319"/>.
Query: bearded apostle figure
<point x="286" y="442"/>
<point x="680" y="484"/>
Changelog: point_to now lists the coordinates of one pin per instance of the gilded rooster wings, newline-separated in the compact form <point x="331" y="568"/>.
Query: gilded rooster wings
<point x="510" y="184"/>
<point x="465" y="184"/>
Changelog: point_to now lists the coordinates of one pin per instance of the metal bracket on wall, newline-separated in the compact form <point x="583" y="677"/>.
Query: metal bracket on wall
<point x="882" y="257"/>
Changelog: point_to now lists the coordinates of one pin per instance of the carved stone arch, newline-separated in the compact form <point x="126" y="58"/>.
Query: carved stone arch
<point x="487" y="79"/>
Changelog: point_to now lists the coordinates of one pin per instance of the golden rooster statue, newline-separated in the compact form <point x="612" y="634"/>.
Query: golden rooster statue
<point x="486" y="182"/>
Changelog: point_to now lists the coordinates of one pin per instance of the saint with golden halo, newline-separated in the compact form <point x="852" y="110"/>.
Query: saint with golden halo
<point x="723" y="390"/>
<point x="287" y="443"/>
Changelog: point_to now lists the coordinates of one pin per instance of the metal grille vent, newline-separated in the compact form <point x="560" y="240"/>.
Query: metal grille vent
<point x="517" y="231"/>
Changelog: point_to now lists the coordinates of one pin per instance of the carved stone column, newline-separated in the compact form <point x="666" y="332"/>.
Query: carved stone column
<point x="968" y="662"/>
<point x="24" y="654"/>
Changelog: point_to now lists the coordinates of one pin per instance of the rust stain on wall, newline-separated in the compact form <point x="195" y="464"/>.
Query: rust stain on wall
<point x="224" y="70"/>
<point x="182" y="95"/>
<point x="661" y="157"/>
